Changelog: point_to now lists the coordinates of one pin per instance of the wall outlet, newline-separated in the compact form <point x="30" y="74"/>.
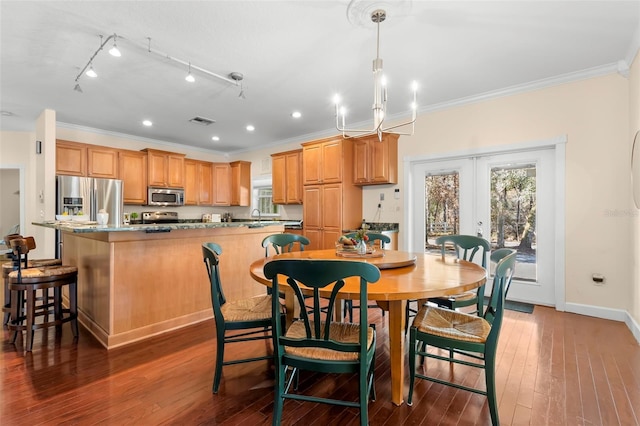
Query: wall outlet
<point x="382" y="196"/>
<point x="396" y="193"/>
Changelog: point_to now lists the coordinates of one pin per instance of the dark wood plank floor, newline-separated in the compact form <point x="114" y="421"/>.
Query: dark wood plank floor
<point x="553" y="368"/>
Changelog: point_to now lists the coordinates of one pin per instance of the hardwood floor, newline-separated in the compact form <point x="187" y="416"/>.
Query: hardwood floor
<point x="553" y="368"/>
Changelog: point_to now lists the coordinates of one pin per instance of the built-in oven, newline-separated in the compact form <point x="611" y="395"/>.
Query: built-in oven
<point x="165" y="196"/>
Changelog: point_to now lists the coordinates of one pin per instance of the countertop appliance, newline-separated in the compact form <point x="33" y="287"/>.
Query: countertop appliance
<point x="159" y="217"/>
<point x="87" y="196"/>
<point x="165" y="196"/>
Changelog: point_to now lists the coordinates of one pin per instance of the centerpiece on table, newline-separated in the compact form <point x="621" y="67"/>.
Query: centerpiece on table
<point x="358" y="242"/>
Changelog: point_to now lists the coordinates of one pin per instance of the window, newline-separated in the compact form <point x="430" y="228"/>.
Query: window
<point x="263" y="198"/>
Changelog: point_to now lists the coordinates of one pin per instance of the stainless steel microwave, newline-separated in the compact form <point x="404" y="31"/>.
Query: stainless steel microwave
<point x="165" y="196"/>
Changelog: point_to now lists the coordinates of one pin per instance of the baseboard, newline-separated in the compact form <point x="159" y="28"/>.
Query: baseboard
<point x="606" y="313"/>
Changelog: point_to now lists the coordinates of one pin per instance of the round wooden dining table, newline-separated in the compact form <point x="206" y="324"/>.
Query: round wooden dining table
<point x="404" y="276"/>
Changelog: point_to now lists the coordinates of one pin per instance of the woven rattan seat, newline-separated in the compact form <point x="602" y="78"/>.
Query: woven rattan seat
<point x="452" y="324"/>
<point x="43" y="272"/>
<point x="340" y="332"/>
<point x="252" y="309"/>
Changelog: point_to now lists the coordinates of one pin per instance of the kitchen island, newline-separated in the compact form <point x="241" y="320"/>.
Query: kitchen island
<point x="138" y="281"/>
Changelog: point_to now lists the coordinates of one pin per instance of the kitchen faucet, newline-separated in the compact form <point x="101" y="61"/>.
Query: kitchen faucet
<point x="259" y="215"/>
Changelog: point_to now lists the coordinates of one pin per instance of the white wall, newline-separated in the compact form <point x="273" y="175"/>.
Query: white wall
<point x="634" y="212"/>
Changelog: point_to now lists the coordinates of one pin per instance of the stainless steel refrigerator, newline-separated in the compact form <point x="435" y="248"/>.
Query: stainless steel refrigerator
<point x="75" y="194"/>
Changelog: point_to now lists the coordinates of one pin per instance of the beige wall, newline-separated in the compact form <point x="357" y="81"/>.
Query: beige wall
<point x="634" y="126"/>
<point x="594" y="115"/>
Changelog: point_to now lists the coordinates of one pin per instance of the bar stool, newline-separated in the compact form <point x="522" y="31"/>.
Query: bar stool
<point x="25" y="284"/>
<point x="12" y="265"/>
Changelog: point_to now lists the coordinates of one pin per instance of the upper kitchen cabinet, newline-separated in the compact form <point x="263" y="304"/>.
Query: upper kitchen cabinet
<point x="102" y="162"/>
<point x="132" y="167"/>
<point x="375" y="161"/>
<point x="198" y="183"/>
<point x="221" y="184"/>
<point x="287" y="177"/>
<point x="190" y="182"/>
<point x="323" y="161"/>
<point x="240" y="183"/>
<point x="71" y="158"/>
<point x="165" y="169"/>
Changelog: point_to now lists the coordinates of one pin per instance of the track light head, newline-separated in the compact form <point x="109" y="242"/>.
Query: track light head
<point x="189" y="76"/>
<point x="91" y="73"/>
<point x="114" y="51"/>
<point x="78" y="88"/>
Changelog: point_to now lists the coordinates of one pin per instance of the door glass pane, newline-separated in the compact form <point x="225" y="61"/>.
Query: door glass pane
<point x="513" y="215"/>
<point x="442" y="207"/>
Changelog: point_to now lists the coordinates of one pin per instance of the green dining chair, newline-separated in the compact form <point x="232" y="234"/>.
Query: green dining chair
<point x="467" y="247"/>
<point x="373" y="238"/>
<point x="323" y="346"/>
<point x="468" y="334"/>
<point x="284" y="243"/>
<point x="237" y="321"/>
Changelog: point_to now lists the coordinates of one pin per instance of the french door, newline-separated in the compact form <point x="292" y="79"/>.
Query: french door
<point x="506" y="198"/>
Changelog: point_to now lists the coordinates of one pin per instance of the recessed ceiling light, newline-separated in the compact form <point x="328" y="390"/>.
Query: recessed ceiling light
<point x="250" y="128"/>
<point x="147" y="123"/>
<point x="215" y="138"/>
<point x="296" y="114"/>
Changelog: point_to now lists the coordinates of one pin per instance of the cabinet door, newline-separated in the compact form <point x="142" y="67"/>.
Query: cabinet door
<point x="384" y="160"/>
<point x="157" y="166"/>
<point x="71" y="158"/>
<point x="102" y="162"/>
<point x="332" y="211"/>
<point x="312" y="160"/>
<point x="293" y="178"/>
<point x="240" y="183"/>
<point x="332" y="161"/>
<point x="132" y="169"/>
<point x="279" y="178"/>
<point x="221" y="184"/>
<point x="361" y="161"/>
<point x="175" y="170"/>
<point x="205" y="183"/>
<point x="312" y="214"/>
<point x="190" y="182"/>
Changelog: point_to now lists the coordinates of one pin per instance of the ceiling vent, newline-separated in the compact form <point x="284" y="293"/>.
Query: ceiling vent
<point x="202" y="121"/>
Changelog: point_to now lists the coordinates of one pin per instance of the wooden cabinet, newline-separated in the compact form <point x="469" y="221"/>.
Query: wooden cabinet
<point x="165" y="169"/>
<point x="221" y="184"/>
<point x="205" y="183"/>
<point x="287" y="177"/>
<point x="102" y="162"/>
<point x="198" y="183"/>
<point x="240" y="183"/>
<point x="132" y="167"/>
<point x="190" y="182"/>
<point x="329" y="208"/>
<point x="323" y="161"/>
<point x="71" y="158"/>
<point x="375" y="161"/>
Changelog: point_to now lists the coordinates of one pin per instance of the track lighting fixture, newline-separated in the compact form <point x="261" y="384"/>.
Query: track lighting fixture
<point x="234" y="78"/>
<point x="189" y="76"/>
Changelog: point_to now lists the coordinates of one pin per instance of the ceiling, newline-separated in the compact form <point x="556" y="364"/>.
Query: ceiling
<point x="294" y="55"/>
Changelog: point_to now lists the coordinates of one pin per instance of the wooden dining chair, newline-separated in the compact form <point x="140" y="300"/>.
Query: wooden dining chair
<point x="237" y="321"/>
<point x="323" y="346"/>
<point x="461" y="333"/>
<point x="373" y="239"/>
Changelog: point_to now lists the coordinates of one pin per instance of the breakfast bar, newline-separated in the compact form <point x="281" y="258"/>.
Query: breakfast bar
<point x="139" y="281"/>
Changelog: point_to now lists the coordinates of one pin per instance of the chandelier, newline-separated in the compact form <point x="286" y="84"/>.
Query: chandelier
<point x="379" y="98"/>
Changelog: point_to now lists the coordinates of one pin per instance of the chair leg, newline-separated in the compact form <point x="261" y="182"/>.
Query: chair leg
<point x="31" y="295"/>
<point x="490" y="378"/>
<point x="364" y="398"/>
<point x="16" y="312"/>
<point x="412" y="363"/>
<point x="219" y="360"/>
<point x="73" y="307"/>
<point x="278" y="401"/>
